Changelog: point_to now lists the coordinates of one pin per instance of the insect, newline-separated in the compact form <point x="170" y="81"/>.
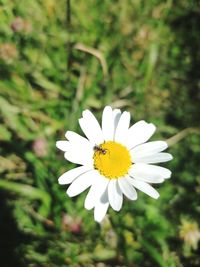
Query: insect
<point x="100" y="149"/>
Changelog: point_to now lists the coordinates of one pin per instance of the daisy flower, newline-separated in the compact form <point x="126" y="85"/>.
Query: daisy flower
<point x="115" y="160"/>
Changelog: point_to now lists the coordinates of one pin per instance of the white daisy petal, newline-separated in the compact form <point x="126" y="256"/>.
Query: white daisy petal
<point x="122" y="127"/>
<point x="100" y="211"/>
<point x="116" y="118"/>
<point x="149" y="148"/>
<point x="151" y="180"/>
<point x="156" y="158"/>
<point x="96" y="191"/>
<point x="77" y="139"/>
<point x="80" y="146"/>
<point x="76" y="155"/>
<point x="81" y="183"/>
<point x="63" y="145"/>
<point x="91" y="128"/>
<point x="139" y="133"/>
<point x="72" y="158"/>
<point x="144" y="187"/>
<point x="149" y="173"/>
<point x="74" y="148"/>
<point x="69" y="176"/>
<point x="101" y="207"/>
<point x="127" y="188"/>
<point x="115" y="195"/>
<point x="107" y="123"/>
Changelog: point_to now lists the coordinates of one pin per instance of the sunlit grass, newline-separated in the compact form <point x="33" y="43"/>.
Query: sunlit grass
<point x="142" y="57"/>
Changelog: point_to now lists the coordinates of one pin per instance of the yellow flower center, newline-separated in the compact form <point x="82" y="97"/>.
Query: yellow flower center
<point x="112" y="159"/>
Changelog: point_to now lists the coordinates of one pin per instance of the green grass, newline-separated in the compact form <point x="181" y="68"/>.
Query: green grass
<point x="140" y="56"/>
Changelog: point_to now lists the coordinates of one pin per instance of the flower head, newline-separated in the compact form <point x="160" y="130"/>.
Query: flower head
<point x="115" y="160"/>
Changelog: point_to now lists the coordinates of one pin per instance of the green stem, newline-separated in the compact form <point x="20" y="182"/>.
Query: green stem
<point x="182" y="134"/>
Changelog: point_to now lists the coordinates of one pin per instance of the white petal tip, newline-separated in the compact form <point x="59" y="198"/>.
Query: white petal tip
<point x="156" y="195"/>
<point x="152" y="127"/>
<point x="169" y="175"/>
<point x="85" y="112"/>
<point x="61" y="182"/>
<point x="99" y="219"/>
<point x="168" y="157"/>
<point x="134" y="198"/>
<point x="62" y="145"/>
<point x="67" y="134"/>
<point x="88" y="208"/>
<point x="66" y="155"/>
<point x="58" y="144"/>
<point x="80" y="120"/>
<point x="117" y="209"/>
<point x="108" y="108"/>
<point x="70" y="194"/>
<point x="166" y="144"/>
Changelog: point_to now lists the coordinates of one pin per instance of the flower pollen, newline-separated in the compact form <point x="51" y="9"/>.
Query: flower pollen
<point x="112" y="159"/>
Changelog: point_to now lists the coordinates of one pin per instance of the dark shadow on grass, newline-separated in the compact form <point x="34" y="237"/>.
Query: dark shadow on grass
<point x="186" y="95"/>
<point x="9" y="235"/>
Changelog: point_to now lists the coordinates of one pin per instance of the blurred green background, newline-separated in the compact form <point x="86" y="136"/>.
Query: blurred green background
<point x="140" y="56"/>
